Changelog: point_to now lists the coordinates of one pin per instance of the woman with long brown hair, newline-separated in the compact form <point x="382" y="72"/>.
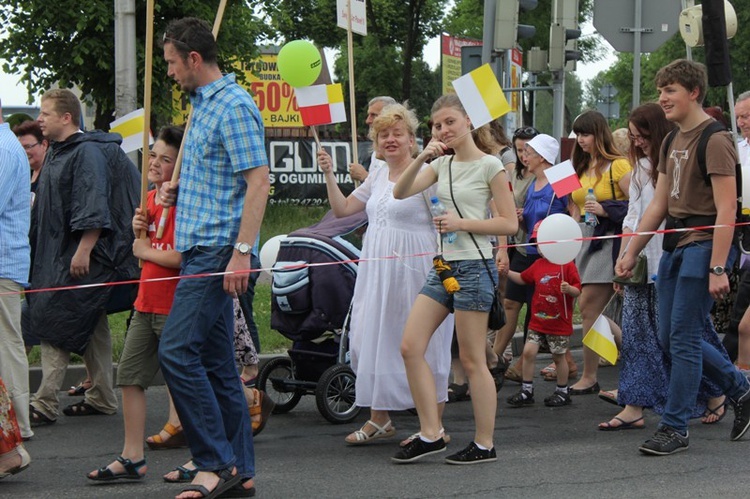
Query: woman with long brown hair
<point x="600" y="167"/>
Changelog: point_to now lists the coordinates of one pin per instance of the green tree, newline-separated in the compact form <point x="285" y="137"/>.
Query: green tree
<point x="386" y="60"/>
<point x="620" y="74"/>
<point x="71" y="42"/>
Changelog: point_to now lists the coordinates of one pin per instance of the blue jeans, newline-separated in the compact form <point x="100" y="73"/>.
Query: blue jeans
<point x="197" y="358"/>
<point x="684" y="308"/>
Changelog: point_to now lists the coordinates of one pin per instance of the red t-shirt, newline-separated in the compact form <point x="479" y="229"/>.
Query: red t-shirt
<point x="156" y="297"/>
<point x="549" y="316"/>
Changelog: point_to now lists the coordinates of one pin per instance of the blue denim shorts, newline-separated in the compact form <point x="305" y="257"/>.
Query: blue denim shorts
<point x="477" y="291"/>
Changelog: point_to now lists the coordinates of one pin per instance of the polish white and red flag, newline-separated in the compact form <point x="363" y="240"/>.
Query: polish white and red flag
<point x="563" y="179"/>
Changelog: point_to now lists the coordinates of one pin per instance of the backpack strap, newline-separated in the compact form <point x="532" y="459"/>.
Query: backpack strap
<point x="712" y="128"/>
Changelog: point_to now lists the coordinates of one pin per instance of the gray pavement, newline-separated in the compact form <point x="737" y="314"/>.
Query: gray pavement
<point x="542" y="452"/>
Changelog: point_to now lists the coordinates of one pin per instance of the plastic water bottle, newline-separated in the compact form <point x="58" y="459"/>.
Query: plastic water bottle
<point x="438" y="209"/>
<point x="588" y="217"/>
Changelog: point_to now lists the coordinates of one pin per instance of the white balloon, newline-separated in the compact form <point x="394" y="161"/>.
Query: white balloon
<point x="269" y="251"/>
<point x="559" y="227"/>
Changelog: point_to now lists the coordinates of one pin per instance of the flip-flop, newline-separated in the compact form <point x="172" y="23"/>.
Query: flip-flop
<point x="715" y="412"/>
<point x="624" y="425"/>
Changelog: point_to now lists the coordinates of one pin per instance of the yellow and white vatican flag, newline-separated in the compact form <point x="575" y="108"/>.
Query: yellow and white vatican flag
<point x="601" y="340"/>
<point x="131" y="127"/>
<point x="481" y="95"/>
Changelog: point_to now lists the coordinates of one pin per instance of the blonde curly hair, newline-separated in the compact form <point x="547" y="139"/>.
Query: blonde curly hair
<point x="391" y="115"/>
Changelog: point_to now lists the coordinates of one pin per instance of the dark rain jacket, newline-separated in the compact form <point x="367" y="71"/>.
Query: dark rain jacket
<point x="87" y="182"/>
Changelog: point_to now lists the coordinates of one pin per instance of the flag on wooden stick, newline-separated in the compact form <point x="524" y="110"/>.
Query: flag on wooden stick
<point x="481" y="96"/>
<point x="321" y="104"/>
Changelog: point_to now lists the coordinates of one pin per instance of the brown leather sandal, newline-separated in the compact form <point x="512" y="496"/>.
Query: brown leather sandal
<point x="175" y="440"/>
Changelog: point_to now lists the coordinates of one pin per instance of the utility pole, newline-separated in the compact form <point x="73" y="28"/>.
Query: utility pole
<point x="126" y="89"/>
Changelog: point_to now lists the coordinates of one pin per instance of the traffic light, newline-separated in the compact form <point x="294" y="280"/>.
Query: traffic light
<point x="507" y="29"/>
<point x="559" y="36"/>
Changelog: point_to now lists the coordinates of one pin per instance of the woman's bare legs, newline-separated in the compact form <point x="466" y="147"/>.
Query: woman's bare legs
<point x="425" y="317"/>
<point x="471" y="328"/>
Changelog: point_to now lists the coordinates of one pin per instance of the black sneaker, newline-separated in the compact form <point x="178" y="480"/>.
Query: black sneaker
<point x="472" y="455"/>
<point x="665" y="441"/>
<point x="418" y="449"/>
<point x="558" y="399"/>
<point x="741" y="416"/>
<point x="521" y="399"/>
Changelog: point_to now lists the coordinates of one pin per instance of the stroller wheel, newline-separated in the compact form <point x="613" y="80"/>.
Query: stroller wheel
<point x="273" y="378"/>
<point x="335" y="395"/>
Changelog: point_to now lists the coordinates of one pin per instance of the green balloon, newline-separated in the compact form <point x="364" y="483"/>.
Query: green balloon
<point x="299" y="63"/>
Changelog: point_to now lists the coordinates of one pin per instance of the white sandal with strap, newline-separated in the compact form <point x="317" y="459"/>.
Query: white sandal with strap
<point x="361" y="437"/>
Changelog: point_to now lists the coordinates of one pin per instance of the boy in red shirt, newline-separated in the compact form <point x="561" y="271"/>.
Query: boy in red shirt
<point x="139" y="361"/>
<point x="555" y="290"/>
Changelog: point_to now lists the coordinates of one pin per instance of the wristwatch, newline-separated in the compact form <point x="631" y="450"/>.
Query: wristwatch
<point x="718" y="270"/>
<point x="243" y="248"/>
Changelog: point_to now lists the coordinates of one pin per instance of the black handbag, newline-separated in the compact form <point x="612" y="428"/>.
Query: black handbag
<point x="496" y="319"/>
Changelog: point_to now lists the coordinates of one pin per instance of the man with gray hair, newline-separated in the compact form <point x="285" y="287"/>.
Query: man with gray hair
<point x="360" y="171"/>
<point x="15" y="213"/>
<point x="742" y="113"/>
<point x="741" y="302"/>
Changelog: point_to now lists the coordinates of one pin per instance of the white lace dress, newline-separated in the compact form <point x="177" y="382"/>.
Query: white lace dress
<point x="384" y="293"/>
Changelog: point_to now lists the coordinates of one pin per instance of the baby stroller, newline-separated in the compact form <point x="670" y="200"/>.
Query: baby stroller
<point x="310" y="304"/>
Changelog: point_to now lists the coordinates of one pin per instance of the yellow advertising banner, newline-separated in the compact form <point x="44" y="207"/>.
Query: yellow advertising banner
<point x="450" y="48"/>
<point x="274" y="97"/>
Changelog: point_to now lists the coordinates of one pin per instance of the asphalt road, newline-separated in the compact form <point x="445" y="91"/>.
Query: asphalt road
<point x="542" y="453"/>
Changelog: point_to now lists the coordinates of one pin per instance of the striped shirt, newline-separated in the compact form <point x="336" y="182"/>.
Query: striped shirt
<point x="15" y="208"/>
<point x="226" y="138"/>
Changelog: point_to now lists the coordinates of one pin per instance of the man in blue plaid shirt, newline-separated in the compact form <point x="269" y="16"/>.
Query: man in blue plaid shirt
<point x="223" y="190"/>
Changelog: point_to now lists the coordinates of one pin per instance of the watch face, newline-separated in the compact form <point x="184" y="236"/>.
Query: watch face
<point x="718" y="270"/>
<point x="243" y="248"/>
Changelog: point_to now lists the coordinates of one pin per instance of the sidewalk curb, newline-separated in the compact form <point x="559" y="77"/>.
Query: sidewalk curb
<point x="77" y="372"/>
